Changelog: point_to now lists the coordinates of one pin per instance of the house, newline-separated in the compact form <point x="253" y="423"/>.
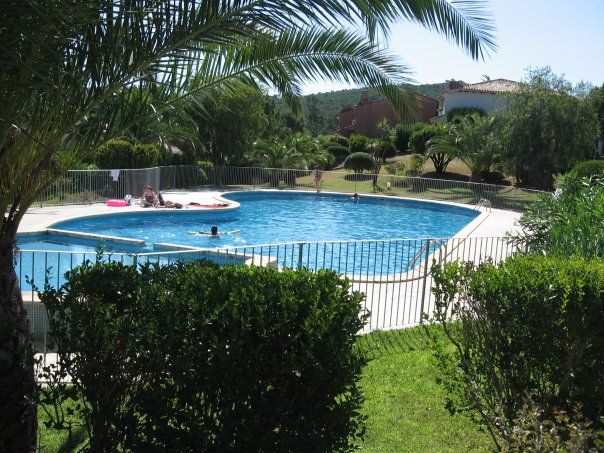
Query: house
<point x="364" y="117"/>
<point x="488" y="96"/>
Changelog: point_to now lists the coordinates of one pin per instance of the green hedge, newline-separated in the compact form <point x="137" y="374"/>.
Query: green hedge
<point x="340" y="153"/>
<point x="359" y="162"/>
<point x="197" y="357"/>
<point x="528" y="328"/>
<point x="123" y="154"/>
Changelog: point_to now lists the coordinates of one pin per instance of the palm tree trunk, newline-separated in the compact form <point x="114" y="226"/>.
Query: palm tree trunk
<point x="18" y="413"/>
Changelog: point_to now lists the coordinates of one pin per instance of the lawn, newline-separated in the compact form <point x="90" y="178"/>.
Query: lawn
<point x="403" y="402"/>
<point x="404" y="405"/>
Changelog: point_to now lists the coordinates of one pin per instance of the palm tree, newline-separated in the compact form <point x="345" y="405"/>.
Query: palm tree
<point x="472" y="140"/>
<point x="276" y="154"/>
<point x="75" y="74"/>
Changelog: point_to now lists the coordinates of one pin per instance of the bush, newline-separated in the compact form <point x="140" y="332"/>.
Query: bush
<point x="179" y="358"/>
<point x="419" y="138"/>
<point x="530" y="327"/>
<point x="415" y="165"/>
<point x="340" y="153"/>
<point x="145" y="156"/>
<point x="205" y="164"/>
<point x="388" y="149"/>
<point x="535" y="430"/>
<point x="340" y="140"/>
<point x="588" y="169"/>
<point x="359" y="162"/>
<point x="401" y="133"/>
<point x="569" y="223"/>
<point x="115" y="154"/>
<point x="461" y="112"/>
<point x="357" y="143"/>
<point x="395" y="168"/>
<point x="123" y="154"/>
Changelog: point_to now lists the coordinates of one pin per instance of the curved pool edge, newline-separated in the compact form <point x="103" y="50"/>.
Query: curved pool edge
<point x="52" y="217"/>
<point x="472" y="228"/>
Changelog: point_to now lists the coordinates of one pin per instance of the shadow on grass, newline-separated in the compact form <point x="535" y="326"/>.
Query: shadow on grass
<point x="77" y="437"/>
<point x="385" y="342"/>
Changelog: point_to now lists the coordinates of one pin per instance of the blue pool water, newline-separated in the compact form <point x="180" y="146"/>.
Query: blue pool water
<point x="267" y="218"/>
<point x="270" y="218"/>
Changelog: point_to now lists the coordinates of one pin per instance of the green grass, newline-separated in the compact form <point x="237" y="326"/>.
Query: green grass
<point x="403" y="402"/>
<point x="405" y="405"/>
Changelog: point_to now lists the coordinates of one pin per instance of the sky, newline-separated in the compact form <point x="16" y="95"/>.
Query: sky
<point x="567" y="36"/>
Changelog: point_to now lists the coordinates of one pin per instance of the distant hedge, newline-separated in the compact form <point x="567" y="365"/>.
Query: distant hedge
<point x="198" y="357"/>
<point x="359" y="162"/>
<point x="340" y="153"/>
<point x="123" y="154"/>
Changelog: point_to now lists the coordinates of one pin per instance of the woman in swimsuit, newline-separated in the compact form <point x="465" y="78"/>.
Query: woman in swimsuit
<point x="318" y="177"/>
<point x="149" y="198"/>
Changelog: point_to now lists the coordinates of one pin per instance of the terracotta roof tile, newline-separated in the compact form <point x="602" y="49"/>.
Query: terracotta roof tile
<point x="492" y="86"/>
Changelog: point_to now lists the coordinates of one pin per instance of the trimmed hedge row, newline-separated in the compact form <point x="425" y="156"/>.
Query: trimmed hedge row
<point x="197" y="357"/>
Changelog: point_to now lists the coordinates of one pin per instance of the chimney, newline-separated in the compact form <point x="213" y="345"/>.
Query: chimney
<point x="454" y="84"/>
<point x="364" y="98"/>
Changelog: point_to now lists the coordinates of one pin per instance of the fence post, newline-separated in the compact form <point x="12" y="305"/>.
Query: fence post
<point x="421" y="311"/>
<point x="135" y="260"/>
<point x="300" y="253"/>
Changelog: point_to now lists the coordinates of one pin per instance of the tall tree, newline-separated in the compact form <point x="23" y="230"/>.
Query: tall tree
<point x="548" y="128"/>
<point x="227" y="128"/>
<point x="314" y="119"/>
<point x="76" y="73"/>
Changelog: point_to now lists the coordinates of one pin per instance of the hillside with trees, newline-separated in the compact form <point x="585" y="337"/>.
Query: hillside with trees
<point x="320" y="111"/>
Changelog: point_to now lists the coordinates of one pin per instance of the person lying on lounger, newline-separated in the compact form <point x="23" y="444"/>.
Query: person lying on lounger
<point x="167" y="203"/>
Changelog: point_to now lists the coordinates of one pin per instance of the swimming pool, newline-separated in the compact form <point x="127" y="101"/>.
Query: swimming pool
<point x="335" y="220"/>
<point x="275" y="217"/>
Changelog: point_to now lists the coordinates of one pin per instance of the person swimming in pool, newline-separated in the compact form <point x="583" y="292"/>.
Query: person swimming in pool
<point x="356" y="197"/>
<point x="214" y="233"/>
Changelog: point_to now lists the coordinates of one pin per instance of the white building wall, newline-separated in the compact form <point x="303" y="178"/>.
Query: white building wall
<point x="485" y="101"/>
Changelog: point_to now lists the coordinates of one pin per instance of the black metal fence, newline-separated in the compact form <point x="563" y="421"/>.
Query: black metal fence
<point x="93" y="186"/>
<point x="394" y="275"/>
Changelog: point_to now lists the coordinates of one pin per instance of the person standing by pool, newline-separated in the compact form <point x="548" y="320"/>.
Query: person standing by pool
<point x="149" y="198"/>
<point x="318" y="178"/>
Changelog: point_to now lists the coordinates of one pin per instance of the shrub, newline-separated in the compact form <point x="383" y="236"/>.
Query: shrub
<point x="419" y="138"/>
<point x="395" y="168"/>
<point x="530" y="327"/>
<point x="461" y="112"/>
<point x="400" y="136"/>
<point x="588" y="169"/>
<point x="359" y="162"/>
<point x="339" y="139"/>
<point x="357" y="143"/>
<point x="388" y="150"/>
<point x="145" y="156"/>
<point x="340" y="153"/>
<point x="123" y="154"/>
<point x="535" y="430"/>
<point x="115" y="154"/>
<point x="179" y="358"/>
<point x="568" y="224"/>
<point x="205" y="164"/>
<point x="415" y="165"/>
